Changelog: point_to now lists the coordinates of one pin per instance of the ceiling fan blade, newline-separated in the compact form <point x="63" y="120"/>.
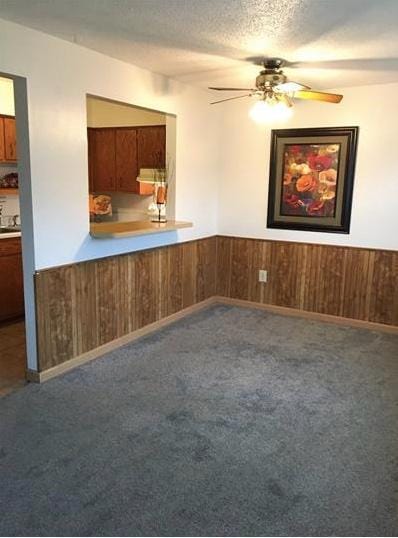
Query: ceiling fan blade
<point x="231" y="98"/>
<point x="363" y="64"/>
<point x="232" y="89"/>
<point x="318" y="96"/>
<point x="290" y="87"/>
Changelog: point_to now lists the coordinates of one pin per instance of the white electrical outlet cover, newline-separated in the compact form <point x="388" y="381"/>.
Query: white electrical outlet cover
<point x="262" y="275"/>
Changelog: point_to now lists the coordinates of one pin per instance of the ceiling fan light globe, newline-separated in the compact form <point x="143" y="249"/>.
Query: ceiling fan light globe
<point x="270" y="111"/>
<point x="290" y="87"/>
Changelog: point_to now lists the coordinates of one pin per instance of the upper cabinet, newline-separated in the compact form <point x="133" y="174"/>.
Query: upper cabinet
<point x="116" y="154"/>
<point x="102" y="159"/>
<point x="126" y="160"/>
<point x="152" y="146"/>
<point x="8" y="139"/>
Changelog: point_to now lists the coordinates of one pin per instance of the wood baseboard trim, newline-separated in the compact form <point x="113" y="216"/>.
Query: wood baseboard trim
<point x="40" y="377"/>
<point x="287" y="311"/>
<point x="32" y="376"/>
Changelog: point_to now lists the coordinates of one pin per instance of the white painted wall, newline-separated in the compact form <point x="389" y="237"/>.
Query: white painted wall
<point x="245" y="149"/>
<point x="59" y="75"/>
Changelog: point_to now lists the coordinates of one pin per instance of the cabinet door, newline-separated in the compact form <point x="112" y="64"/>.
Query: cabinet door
<point x="152" y="146"/>
<point x="2" y="141"/>
<point x="11" y="280"/>
<point x="103" y="160"/>
<point x="91" y="157"/>
<point x="126" y="160"/>
<point x="10" y="139"/>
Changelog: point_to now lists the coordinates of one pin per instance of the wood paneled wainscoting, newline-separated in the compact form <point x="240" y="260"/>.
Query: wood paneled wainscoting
<point x="84" y="308"/>
<point x="81" y="307"/>
<point x="356" y="283"/>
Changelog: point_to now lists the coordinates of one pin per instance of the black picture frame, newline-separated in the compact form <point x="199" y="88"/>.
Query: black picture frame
<point x="346" y="138"/>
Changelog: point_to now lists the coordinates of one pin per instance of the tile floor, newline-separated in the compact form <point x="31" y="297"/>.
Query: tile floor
<point x="12" y="356"/>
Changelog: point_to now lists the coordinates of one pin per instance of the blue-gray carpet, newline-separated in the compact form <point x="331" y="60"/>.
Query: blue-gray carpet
<point x="230" y="422"/>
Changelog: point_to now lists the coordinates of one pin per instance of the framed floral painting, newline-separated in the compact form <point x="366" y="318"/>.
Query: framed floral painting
<point x="311" y="178"/>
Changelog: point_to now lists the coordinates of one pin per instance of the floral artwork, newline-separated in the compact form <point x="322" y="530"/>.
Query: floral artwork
<point x="310" y="175"/>
<point x="311" y="178"/>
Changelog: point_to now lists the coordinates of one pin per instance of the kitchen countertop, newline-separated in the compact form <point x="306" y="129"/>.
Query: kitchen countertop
<point x="8" y="235"/>
<point x="107" y="230"/>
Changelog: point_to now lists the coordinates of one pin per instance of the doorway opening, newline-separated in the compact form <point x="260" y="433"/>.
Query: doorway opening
<point x="13" y="348"/>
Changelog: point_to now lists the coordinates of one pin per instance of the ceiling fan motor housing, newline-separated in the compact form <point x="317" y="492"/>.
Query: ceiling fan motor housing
<point x="269" y="78"/>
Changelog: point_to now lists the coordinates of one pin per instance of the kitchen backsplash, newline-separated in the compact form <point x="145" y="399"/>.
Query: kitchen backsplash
<point x="127" y="207"/>
<point x="9" y="205"/>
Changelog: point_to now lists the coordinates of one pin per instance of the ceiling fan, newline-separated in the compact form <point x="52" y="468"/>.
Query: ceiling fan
<point x="273" y="87"/>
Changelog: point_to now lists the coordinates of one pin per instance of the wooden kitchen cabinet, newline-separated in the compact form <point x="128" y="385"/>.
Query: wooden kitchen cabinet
<point x="8" y="139"/>
<point x="116" y="154"/>
<point x="2" y="141"/>
<point x="126" y="160"/>
<point x="151" y="146"/>
<point x="102" y="159"/>
<point x="91" y="157"/>
<point x="11" y="279"/>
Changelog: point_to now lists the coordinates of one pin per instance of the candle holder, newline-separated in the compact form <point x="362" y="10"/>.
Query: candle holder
<point x="159" y="179"/>
<point x="160" y="200"/>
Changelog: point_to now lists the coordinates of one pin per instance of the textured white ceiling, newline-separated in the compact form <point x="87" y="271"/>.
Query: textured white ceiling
<point x="205" y="42"/>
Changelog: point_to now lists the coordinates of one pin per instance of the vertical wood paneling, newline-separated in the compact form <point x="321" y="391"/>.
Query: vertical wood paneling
<point x="340" y="281"/>
<point x="108" y="299"/>
<point x="259" y="258"/>
<point x="323" y="279"/>
<point x="86" y="322"/>
<point x="170" y="280"/>
<point x="358" y="276"/>
<point x="189" y="262"/>
<point x="84" y="305"/>
<point x="55" y="316"/>
<point x="240" y="268"/>
<point x="285" y="274"/>
<point x="147" y="288"/>
<point x="174" y="278"/>
<point x="384" y="288"/>
<point x="224" y="253"/>
<point x="81" y="306"/>
<point x="264" y="292"/>
<point x="125" y="306"/>
<point x="205" y="269"/>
